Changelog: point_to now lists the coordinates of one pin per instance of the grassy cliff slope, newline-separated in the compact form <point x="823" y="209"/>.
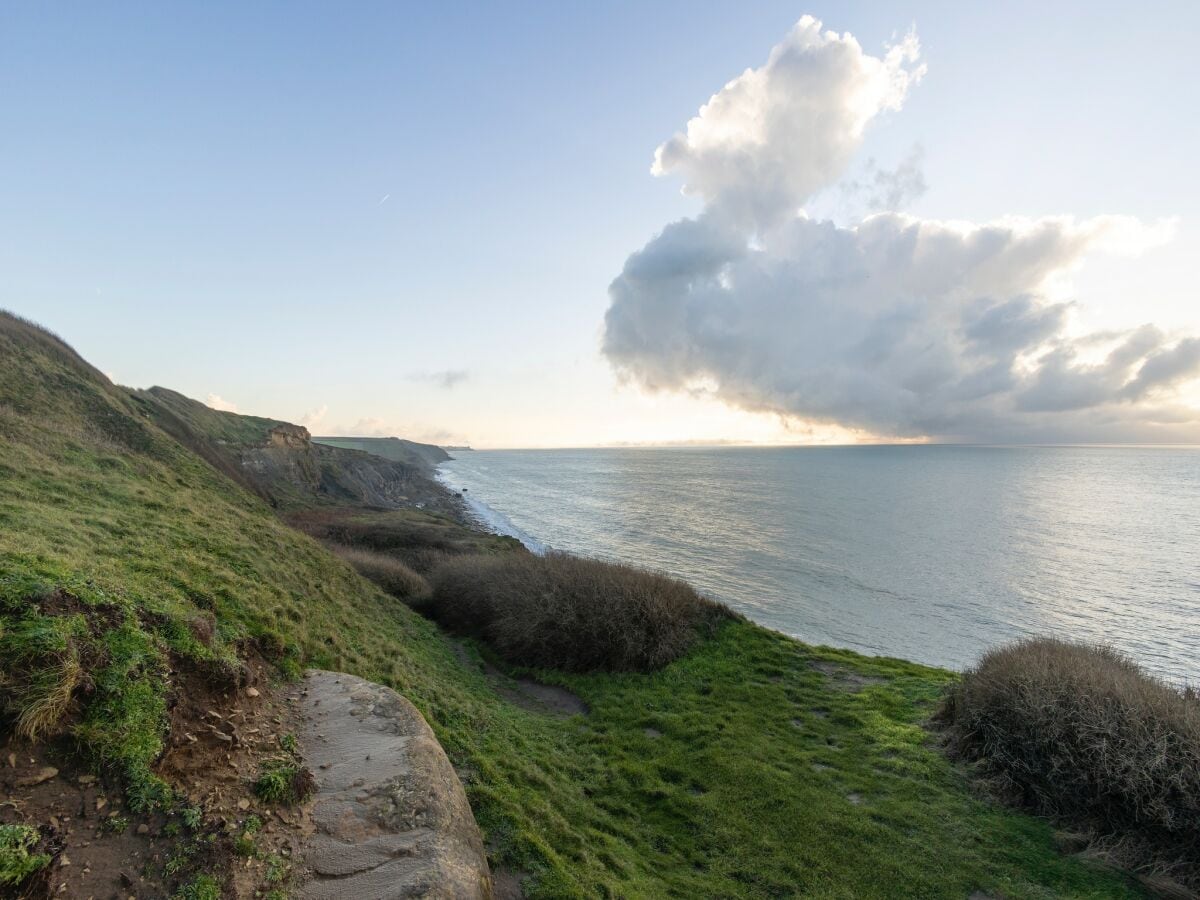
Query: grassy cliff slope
<point x="424" y="455"/>
<point x="753" y="767"/>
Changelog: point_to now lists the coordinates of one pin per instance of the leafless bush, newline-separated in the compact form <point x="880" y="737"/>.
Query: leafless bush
<point x="566" y="612"/>
<point x="1082" y="733"/>
<point x="390" y="574"/>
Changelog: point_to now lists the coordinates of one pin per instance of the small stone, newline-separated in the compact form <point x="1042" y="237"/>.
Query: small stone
<point x="44" y="774"/>
<point x="243" y="803"/>
<point x="64" y="861"/>
<point x="101" y="802"/>
<point x="86" y="779"/>
<point x="143" y="829"/>
<point x="54" y="823"/>
<point x="251" y="692"/>
<point x="12" y="760"/>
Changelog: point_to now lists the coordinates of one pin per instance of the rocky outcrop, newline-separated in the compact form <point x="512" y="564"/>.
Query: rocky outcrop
<point x="390" y="815"/>
<point x="281" y="463"/>
<point x="293" y="437"/>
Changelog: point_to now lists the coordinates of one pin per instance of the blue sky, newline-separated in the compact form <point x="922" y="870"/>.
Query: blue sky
<point x="194" y="195"/>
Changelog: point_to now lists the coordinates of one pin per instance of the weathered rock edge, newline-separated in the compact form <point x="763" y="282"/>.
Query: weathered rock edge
<point x="390" y="815"/>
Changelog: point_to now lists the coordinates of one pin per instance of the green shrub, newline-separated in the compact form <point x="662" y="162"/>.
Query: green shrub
<point x="565" y="612"/>
<point x="18" y="859"/>
<point x="1081" y="733"/>
<point x="389" y="573"/>
<point x="285" y="782"/>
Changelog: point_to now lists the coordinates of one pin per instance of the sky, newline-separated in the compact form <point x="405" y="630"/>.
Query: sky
<point x="512" y="225"/>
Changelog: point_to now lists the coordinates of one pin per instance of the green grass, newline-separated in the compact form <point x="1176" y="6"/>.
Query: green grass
<point x="202" y="887"/>
<point x="744" y="793"/>
<point x="18" y="854"/>
<point x="285" y="782"/>
<point x="214" y="424"/>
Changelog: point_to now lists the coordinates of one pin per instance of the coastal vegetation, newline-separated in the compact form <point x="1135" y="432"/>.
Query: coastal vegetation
<point x="386" y="571"/>
<point x="1082" y="734"/>
<point x="134" y="571"/>
<point x="578" y="615"/>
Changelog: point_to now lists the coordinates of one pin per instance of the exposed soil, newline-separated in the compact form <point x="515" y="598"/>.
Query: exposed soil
<point x="219" y="736"/>
<point x="547" y="699"/>
<point x="844" y="679"/>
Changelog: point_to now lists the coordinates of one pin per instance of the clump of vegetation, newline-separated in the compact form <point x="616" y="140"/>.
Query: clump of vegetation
<point x="244" y="844"/>
<point x="202" y="887"/>
<point x="18" y="854"/>
<point x="285" y="782"/>
<point x="114" y="824"/>
<point x="193" y="817"/>
<point x="1082" y="733"/>
<point x="418" y="538"/>
<point x="386" y="571"/>
<point x="277" y="869"/>
<point x="566" y="612"/>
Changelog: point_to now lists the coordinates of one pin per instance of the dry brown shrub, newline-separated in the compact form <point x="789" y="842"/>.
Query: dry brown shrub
<point x="1081" y="733"/>
<point x="566" y="612"/>
<point x="389" y="573"/>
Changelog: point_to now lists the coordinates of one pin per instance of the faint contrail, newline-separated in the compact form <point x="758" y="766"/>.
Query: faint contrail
<point x="383" y="200"/>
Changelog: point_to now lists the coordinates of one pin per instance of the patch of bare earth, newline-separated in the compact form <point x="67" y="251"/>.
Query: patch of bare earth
<point x="844" y="679"/>
<point x="547" y="699"/>
<point x="217" y="742"/>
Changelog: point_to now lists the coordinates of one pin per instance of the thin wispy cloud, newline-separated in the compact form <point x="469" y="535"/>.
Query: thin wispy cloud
<point x="383" y="199"/>
<point x="894" y="324"/>
<point x="446" y="379"/>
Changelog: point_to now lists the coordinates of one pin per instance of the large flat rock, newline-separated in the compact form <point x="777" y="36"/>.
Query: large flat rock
<point x="390" y="815"/>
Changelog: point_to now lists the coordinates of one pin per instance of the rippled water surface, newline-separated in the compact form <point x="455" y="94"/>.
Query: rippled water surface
<point x="927" y="553"/>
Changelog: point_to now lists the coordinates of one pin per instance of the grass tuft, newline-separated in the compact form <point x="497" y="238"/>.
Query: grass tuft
<point x="202" y="887"/>
<point x="285" y="782"/>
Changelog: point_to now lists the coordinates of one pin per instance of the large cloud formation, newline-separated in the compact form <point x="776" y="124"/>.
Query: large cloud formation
<point x="896" y="325"/>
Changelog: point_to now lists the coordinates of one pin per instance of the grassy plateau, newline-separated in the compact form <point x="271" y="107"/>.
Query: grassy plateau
<point x="751" y="766"/>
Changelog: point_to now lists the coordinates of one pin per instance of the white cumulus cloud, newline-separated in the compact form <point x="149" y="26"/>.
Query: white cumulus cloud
<point x="775" y="135"/>
<point x="218" y="402"/>
<point x="894" y="325"/>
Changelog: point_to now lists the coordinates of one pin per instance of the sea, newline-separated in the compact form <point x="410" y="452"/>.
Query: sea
<point x="932" y="553"/>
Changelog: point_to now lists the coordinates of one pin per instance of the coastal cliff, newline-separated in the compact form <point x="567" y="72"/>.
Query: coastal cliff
<point x="153" y="597"/>
<point x="282" y="463"/>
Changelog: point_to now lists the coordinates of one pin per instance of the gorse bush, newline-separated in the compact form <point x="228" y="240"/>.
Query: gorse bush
<point x="565" y="612"/>
<point x="1081" y="733"/>
<point x="389" y="573"/>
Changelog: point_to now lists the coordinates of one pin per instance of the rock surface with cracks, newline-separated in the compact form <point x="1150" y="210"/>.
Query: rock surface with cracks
<point x="390" y="815"/>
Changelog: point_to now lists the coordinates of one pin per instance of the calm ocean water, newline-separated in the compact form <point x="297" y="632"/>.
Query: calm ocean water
<point x="930" y="553"/>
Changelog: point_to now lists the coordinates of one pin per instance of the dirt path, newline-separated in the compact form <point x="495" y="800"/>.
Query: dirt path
<point x="547" y="699"/>
<point x="390" y="815"/>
